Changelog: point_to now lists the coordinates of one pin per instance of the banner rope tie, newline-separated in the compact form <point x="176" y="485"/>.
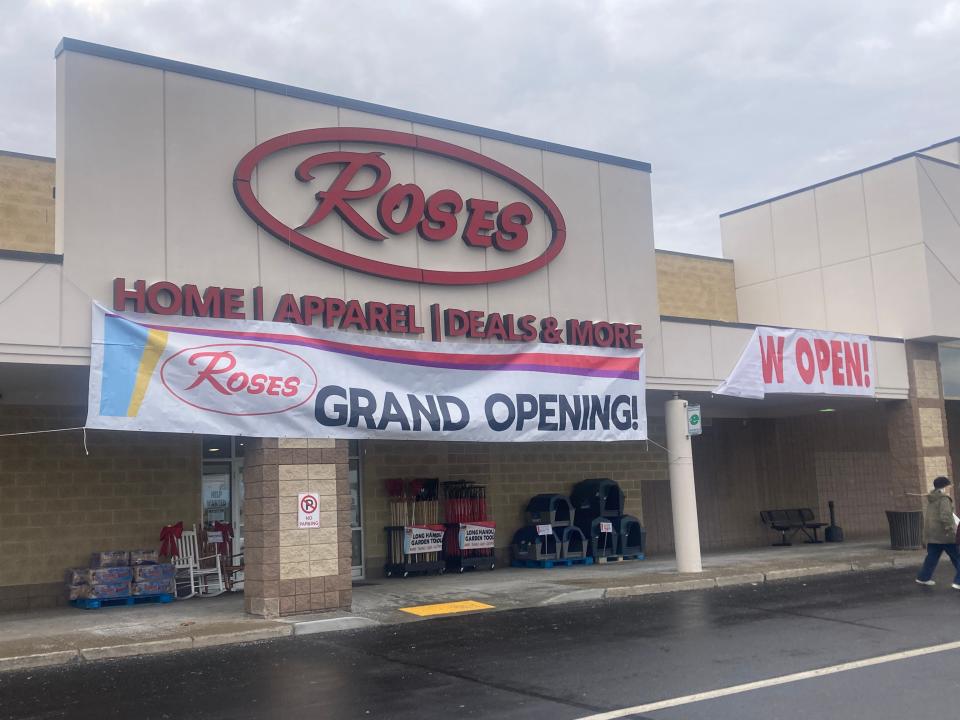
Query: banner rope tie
<point x="54" y="430"/>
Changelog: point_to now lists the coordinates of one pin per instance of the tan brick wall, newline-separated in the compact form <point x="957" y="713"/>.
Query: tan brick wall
<point x="745" y="466"/>
<point x="512" y="472"/>
<point x="57" y="505"/>
<point x="696" y="287"/>
<point x="26" y="203"/>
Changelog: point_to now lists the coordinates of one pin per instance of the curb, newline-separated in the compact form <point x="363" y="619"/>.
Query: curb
<point x="48" y="659"/>
<point x="312" y="627"/>
<point x="755" y="578"/>
<point x="149" y="647"/>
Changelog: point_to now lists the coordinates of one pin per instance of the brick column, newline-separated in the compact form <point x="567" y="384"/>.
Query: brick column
<point x="917" y="427"/>
<point x="290" y="571"/>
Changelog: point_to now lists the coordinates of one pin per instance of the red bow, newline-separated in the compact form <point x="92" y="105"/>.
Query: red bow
<point x="169" y="535"/>
<point x="225" y="547"/>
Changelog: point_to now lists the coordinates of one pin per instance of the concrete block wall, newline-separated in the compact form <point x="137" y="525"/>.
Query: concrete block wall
<point x="26" y="203"/>
<point x="57" y="504"/>
<point x="512" y="472"/>
<point x="692" y="286"/>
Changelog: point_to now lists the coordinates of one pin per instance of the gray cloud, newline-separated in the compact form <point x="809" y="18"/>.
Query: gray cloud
<point x="731" y="101"/>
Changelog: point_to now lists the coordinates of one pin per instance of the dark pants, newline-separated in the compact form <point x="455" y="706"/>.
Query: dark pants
<point x="934" y="550"/>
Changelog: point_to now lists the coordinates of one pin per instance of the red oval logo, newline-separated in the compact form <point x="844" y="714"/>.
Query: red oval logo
<point x="239" y="378"/>
<point x="429" y="215"/>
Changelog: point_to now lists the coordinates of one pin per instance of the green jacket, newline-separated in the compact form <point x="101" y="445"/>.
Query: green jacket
<point x="938" y="524"/>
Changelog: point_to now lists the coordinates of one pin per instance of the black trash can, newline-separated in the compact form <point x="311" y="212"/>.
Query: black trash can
<point x="906" y="530"/>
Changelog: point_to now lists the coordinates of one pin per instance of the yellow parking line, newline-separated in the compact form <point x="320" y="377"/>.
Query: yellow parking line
<point x="446" y="608"/>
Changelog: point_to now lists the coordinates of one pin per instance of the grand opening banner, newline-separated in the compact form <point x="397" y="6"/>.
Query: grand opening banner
<point x="808" y="362"/>
<point x="265" y="379"/>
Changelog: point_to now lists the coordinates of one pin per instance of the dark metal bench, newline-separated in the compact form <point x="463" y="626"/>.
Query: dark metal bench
<point x="792" y="521"/>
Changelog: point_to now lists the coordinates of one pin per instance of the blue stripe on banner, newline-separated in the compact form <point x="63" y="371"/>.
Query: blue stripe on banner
<point x="123" y="344"/>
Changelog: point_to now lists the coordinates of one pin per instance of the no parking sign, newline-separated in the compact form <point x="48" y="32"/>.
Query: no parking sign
<point x="308" y="510"/>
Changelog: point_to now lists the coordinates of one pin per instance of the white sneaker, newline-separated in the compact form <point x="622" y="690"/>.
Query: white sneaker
<point x="955" y="586"/>
<point x="932" y="582"/>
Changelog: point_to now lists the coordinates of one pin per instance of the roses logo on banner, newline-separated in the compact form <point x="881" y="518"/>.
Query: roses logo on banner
<point x="802" y="362"/>
<point x="422" y="539"/>
<point x="476" y="535"/>
<point x="264" y="379"/>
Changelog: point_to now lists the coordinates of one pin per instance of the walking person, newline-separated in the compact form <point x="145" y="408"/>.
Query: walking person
<point x="939" y="533"/>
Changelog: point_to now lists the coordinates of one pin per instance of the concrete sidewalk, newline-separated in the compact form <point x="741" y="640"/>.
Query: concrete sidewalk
<point x="68" y="635"/>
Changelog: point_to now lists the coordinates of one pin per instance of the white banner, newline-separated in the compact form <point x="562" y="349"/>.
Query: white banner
<point x="808" y="362"/>
<point x="264" y="379"/>
<point x="422" y="539"/>
<point x="476" y="535"/>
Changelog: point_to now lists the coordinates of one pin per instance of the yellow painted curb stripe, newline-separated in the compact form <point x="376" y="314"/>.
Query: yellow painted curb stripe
<point x="446" y="608"/>
<point x="152" y="350"/>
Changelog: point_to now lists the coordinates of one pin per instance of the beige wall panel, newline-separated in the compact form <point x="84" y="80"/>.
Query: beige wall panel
<point x="201" y="209"/>
<point x="686" y="351"/>
<point x="393" y="250"/>
<point x="842" y="221"/>
<point x="759" y="304"/>
<point x="747" y="238"/>
<point x="577" y="274"/>
<point x="629" y="261"/>
<point x="432" y="173"/>
<point x="801" y="300"/>
<point x="902" y="311"/>
<point x="891" y="370"/>
<point x="61" y="145"/>
<point x="75" y="315"/>
<point x="795" y="239"/>
<point x="940" y="202"/>
<point x="113" y="184"/>
<point x="893" y="206"/>
<point x="29" y="299"/>
<point x="727" y="344"/>
<point x="944" y="294"/>
<point x="283" y="269"/>
<point x="848" y="294"/>
<point x="528" y="294"/>
<point x="949" y="152"/>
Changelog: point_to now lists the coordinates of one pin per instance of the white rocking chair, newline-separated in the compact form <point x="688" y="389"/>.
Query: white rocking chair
<point x="195" y="573"/>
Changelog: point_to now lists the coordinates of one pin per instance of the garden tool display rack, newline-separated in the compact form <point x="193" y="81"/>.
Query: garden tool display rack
<point x="413" y="504"/>
<point x="465" y="503"/>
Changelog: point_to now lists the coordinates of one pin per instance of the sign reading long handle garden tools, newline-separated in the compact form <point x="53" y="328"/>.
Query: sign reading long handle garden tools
<point x="263" y="379"/>
<point x="809" y="362"/>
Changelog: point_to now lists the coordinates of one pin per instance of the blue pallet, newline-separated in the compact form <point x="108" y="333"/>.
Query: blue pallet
<point x="544" y="564"/>
<point x="95" y="603"/>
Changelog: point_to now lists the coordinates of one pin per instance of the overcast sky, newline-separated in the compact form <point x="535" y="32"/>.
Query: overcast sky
<point x="730" y="101"/>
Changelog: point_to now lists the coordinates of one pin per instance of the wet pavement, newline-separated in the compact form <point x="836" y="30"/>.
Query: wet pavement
<point x="563" y="661"/>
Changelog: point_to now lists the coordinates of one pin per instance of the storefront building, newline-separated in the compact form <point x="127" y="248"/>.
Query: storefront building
<point x="217" y="188"/>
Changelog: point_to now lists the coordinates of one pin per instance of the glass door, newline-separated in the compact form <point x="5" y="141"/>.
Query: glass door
<point x="221" y="497"/>
<point x="356" y="516"/>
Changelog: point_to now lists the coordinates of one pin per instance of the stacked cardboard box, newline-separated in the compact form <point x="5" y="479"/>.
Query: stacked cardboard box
<point x="119" y="574"/>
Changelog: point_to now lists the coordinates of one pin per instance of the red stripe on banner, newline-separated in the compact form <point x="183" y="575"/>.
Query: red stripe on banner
<point x="628" y="365"/>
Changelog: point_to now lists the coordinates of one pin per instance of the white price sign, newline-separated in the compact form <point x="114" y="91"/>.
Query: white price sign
<point x="606" y="527"/>
<point x="544" y="529"/>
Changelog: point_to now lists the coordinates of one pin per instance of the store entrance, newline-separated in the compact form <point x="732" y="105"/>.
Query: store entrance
<point x="222" y="491"/>
<point x="221" y="496"/>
